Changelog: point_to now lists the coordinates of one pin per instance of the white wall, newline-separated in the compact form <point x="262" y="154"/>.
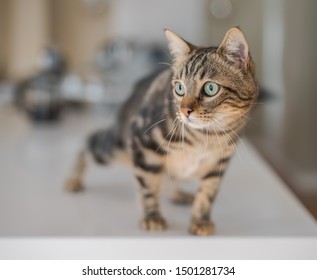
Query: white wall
<point x="145" y="20"/>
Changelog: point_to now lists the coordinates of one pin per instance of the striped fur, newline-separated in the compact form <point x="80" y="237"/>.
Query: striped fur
<point x="158" y="138"/>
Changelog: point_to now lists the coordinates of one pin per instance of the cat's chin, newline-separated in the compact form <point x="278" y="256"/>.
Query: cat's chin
<point x="193" y="124"/>
<point x="190" y="122"/>
<point x="196" y="125"/>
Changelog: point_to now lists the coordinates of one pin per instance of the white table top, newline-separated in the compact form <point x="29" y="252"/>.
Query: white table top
<point x="35" y="160"/>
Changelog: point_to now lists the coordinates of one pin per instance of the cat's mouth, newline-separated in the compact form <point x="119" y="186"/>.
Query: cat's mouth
<point x="191" y="121"/>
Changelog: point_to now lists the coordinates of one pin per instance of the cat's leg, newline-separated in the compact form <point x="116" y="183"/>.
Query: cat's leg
<point x="201" y="223"/>
<point x="149" y="187"/>
<point x="75" y="181"/>
<point x="101" y="147"/>
<point x="148" y="168"/>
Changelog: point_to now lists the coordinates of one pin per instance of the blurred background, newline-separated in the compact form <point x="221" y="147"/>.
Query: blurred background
<point x="66" y="66"/>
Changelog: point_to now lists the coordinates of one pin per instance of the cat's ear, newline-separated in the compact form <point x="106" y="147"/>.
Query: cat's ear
<point x="235" y="47"/>
<point x="179" y="48"/>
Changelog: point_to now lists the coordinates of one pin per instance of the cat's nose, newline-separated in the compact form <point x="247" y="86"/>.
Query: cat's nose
<point x="186" y="111"/>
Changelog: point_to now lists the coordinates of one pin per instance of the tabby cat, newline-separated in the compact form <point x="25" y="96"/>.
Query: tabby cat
<point x="183" y="122"/>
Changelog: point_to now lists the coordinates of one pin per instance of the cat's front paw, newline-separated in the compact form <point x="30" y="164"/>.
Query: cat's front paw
<point x="74" y="185"/>
<point x="153" y="223"/>
<point x="202" y="228"/>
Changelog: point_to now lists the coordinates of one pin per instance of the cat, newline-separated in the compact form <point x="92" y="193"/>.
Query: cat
<point x="183" y="121"/>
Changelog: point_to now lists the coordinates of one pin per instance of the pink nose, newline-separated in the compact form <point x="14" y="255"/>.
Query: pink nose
<point x="186" y="111"/>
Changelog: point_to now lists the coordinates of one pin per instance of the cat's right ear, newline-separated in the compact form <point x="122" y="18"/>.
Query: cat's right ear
<point x="235" y="47"/>
<point x="179" y="48"/>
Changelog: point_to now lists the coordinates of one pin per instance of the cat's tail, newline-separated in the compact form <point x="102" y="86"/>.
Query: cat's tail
<point x="103" y="147"/>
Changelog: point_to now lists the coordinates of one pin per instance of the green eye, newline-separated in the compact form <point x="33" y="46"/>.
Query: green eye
<point x="211" y="89"/>
<point x="179" y="89"/>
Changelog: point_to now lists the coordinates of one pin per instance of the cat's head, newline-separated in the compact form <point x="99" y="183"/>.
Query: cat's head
<point x="213" y="87"/>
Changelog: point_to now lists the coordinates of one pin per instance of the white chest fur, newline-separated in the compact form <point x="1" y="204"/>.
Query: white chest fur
<point x="190" y="162"/>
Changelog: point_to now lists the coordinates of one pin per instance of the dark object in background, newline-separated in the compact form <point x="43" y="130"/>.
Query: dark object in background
<point x="117" y="53"/>
<point x="265" y="95"/>
<point x="107" y="83"/>
<point x="39" y="97"/>
<point x="40" y="94"/>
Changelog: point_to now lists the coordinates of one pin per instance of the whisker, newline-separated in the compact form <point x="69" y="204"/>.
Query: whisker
<point x="221" y="150"/>
<point x="168" y="64"/>
<point x="230" y="114"/>
<point x="174" y="130"/>
<point x="230" y="139"/>
<point x="168" y="148"/>
<point x="180" y="136"/>
<point x="206" y="146"/>
<point x="240" y="139"/>
<point x="183" y="136"/>
<point x="153" y="125"/>
<point x="227" y="127"/>
<point x="173" y="124"/>
<point x="165" y="63"/>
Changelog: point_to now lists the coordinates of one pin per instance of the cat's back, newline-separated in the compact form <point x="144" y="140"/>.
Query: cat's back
<point x="148" y="95"/>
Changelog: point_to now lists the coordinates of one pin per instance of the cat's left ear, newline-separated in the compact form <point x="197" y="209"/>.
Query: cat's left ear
<point x="235" y="47"/>
<point x="179" y="48"/>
